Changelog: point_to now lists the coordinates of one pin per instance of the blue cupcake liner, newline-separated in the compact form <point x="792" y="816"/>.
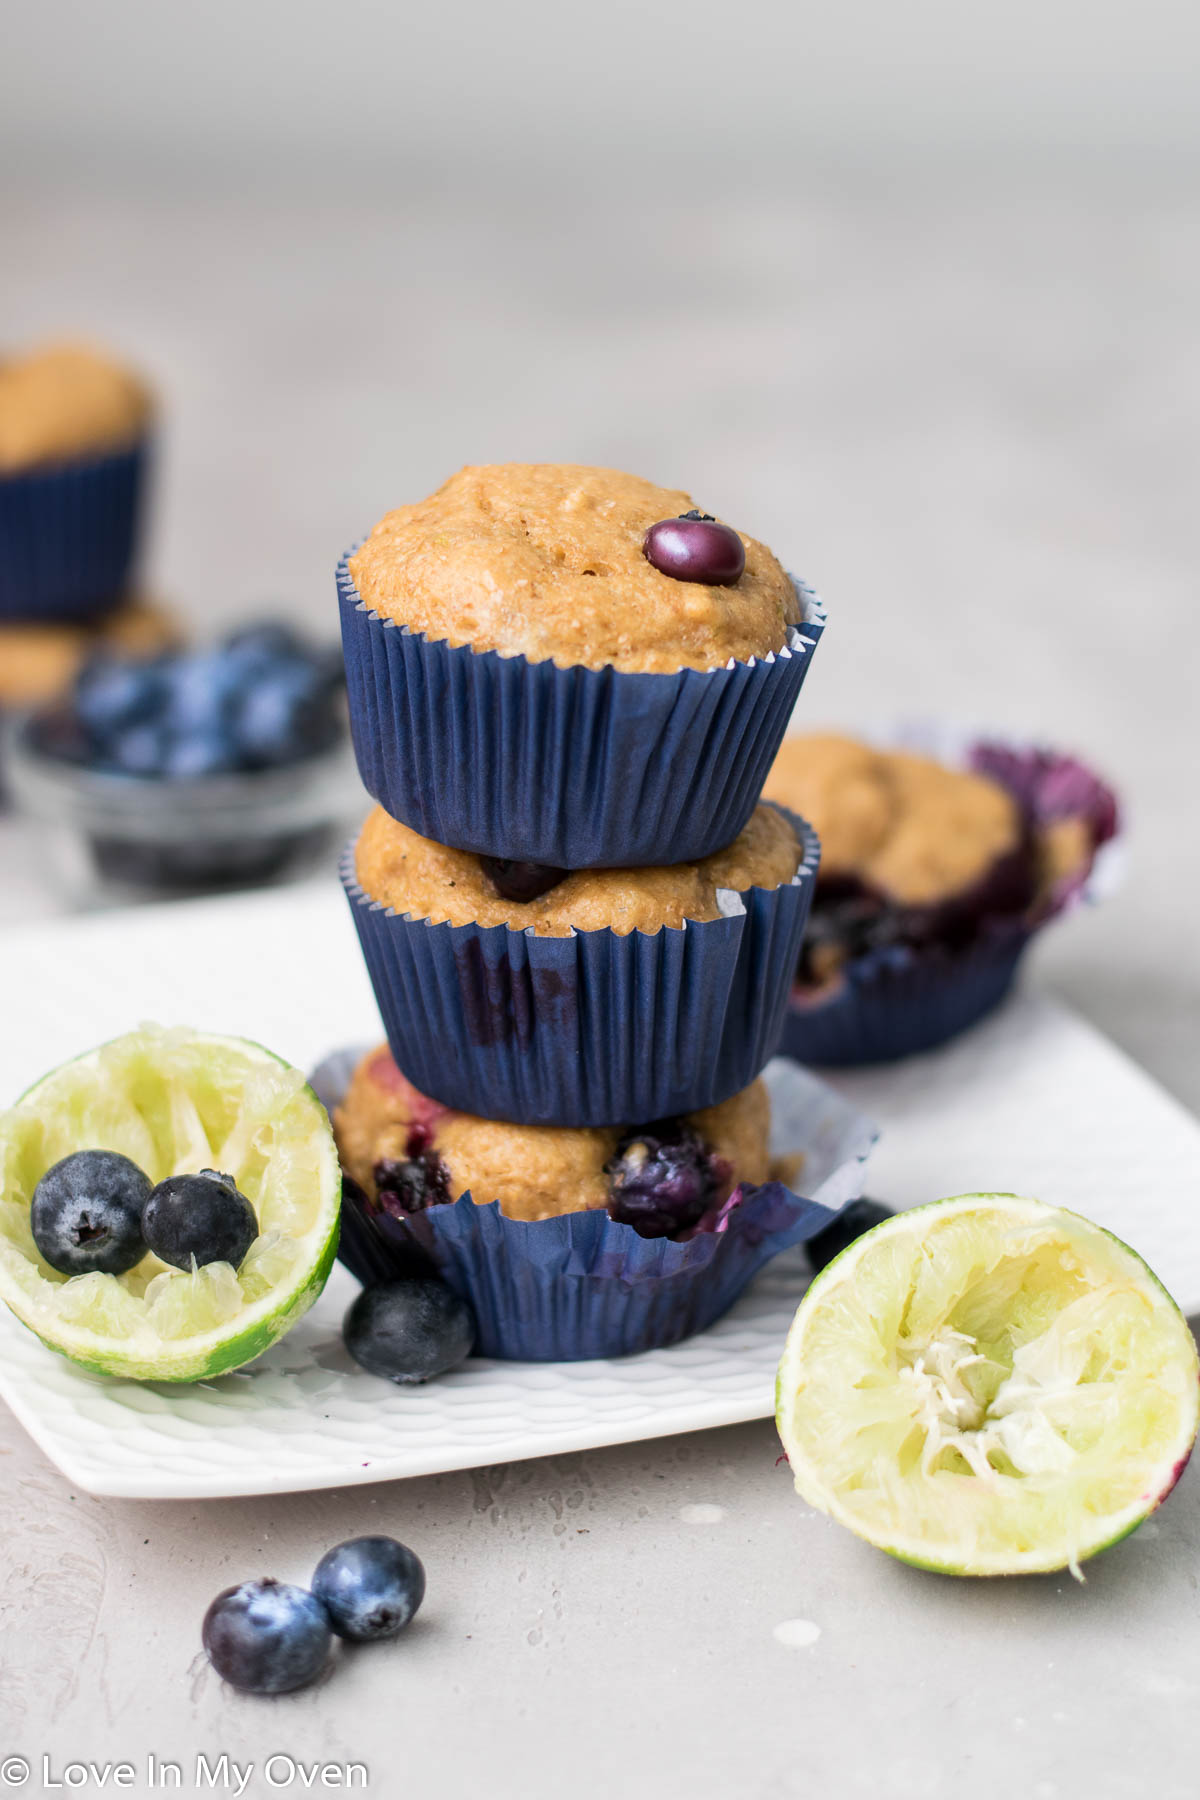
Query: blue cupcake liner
<point x="594" y="1028"/>
<point x="899" y="1002"/>
<point x="576" y="768"/>
<point x="903" y="1000"/>
<point x="68" y="535"/>
<point x="582" y="1286"/>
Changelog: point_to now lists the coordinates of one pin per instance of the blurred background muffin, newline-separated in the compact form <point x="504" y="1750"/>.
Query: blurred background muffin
<point x="935" y="873"/>
<point x="74" y="447"/>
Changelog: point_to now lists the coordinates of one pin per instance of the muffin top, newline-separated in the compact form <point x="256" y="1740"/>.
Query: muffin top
<point x="414" y="875"/>
<point x="545" y="560"/>
<point x="406" y="1151"/>
<point x="38" y="662"/>
<point x="67" y="401"/>
<point x="907" y="826"/>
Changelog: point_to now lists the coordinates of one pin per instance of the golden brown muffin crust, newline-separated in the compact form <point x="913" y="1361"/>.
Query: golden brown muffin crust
<point x="545" y="560"/>
<point x="910" y="827"/>
<point x="38" y="662"/>
<point x="534" y="1171"/>
<point x="67" y="401"/>
<point x="412" y="874"/>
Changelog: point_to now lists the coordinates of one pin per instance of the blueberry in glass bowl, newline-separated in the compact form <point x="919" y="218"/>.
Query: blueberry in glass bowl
<point x="194" y="771"/>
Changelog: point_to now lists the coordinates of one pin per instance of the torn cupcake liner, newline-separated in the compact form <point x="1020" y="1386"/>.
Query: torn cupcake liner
<point x="582" y="1286"/>
<point x="68" y="535"/>
<point x="904" y="999"/>
<point x="595" y="1028"/>
<point x="577" y="768"/>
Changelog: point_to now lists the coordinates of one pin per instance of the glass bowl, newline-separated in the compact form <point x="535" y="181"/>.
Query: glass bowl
<point x="111" y="836"/>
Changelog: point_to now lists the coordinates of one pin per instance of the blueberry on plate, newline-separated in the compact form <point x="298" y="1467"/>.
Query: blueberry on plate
<point x="370" y="1587"/>
<point x="199" y="1218"/>
<point x="409" y="1330"/>
<point x="267" y="1637"/>
<point x="86" y="1213"/>
<point x="850" y="1223"/>
<point x="662" y="1179"/>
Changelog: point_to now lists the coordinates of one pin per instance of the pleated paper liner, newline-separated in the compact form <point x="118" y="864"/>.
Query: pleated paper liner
<point x="582" y="1286"/>
<point x="902" y="1000"/>
<point x="594" y="1028"/>
<point x="68" y="535"/>
<point x="576" y="768"/>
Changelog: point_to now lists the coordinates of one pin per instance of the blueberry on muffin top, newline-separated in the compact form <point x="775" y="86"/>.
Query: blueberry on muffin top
<point x="64" y="402"/>
<point x="408" y="1153"/>
<point x="412" y="874"/>
<point x="549" y="561"/>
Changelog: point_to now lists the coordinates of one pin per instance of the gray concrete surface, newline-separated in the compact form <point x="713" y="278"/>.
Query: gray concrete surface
<point x="965" y="409"/>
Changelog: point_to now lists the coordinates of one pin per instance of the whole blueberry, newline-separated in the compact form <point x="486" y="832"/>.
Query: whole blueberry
<point x="409" y="1330"/>
<point x="200" y="690"/>
<point x="86" y="1213"/>
<point x="370" y="1587"/>
<point x="139" y="749"/>
<point x="206" y="750"/>
<point x="521" y="881"/>
<point x="696" y="547"/>
<point x="663" y="1179"/>
<point x="111" y="695"/>
<point x="284" y="714"/>
<point x="850" y="1223"/>
<point x="199" y="1218"/>
<point x="268" y="641"/>
<point x="267" y="1637"/>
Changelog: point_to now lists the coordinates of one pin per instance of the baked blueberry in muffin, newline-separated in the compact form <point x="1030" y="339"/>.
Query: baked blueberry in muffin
<point x="412" y="874"/>
<point x="912" y="852"/>
<point x="408" y="1153"/>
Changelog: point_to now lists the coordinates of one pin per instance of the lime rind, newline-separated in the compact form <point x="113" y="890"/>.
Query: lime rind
<point x="986" y="1386"/>
<point x="175" y="1101"/>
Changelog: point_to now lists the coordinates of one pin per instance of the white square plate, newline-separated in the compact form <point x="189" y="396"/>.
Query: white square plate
<point x="1032" y="1101"/>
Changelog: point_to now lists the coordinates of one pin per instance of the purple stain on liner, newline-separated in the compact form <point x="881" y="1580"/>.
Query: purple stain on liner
<point x="592" y="1027"/>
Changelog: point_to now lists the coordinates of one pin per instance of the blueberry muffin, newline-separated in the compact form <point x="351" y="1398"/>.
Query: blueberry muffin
<point x="408" y="1153"/>
<point x="912" y="852"/>
<point x="74" y="447"/>
<point x="549" y="561"/>
<point x="413" y="875"/>
<point x="67" y="402"/>
<point x="569" y="666"/>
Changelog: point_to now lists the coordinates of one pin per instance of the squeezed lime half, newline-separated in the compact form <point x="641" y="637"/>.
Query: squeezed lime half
<point x="175" y="1102"/>
<point x="988" y="1386"/>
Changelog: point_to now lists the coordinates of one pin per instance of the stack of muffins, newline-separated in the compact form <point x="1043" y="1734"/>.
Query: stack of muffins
<point x="74" y="450"/>
<point x="567" y="687"/>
